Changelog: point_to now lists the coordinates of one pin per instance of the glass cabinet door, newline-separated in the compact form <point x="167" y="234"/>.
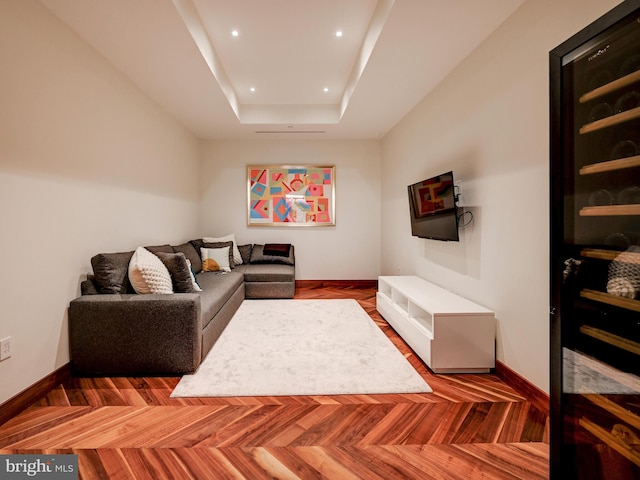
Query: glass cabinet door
<point x="595" y="175"/>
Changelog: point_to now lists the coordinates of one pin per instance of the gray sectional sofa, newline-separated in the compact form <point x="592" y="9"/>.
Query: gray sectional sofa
<point x="115" y="331"/>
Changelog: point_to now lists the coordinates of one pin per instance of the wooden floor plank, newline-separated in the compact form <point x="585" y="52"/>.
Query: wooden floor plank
<point x="471" y="426"/>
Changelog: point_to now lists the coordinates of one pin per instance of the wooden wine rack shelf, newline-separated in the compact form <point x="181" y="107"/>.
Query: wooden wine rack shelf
<point x="609" y="299"/>
<point x="618" y="164"/>
<point x="600" y="254"/>
<point x="607" y="210"/>
<point x="611" y="87"/>
<point x="615" y="409"/>
<point x="610" y="338"/>
<point x="617" y="444"/>
<point x="608" y="254"/>
<point x="611" y="121"/>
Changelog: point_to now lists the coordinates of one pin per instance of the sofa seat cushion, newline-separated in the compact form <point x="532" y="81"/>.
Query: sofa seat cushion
<point x="267" y="272"/>
<point x="216" y="290"/>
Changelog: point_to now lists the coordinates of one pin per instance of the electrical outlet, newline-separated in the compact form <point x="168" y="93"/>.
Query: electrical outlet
<point x="5" y="348"/>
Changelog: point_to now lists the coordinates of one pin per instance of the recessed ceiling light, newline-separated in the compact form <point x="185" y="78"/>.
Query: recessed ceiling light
<point x="326" y="89"/>
<point x="235" y="33"/>
<point x="339" y="33"/>
<point x="253" y="89"/>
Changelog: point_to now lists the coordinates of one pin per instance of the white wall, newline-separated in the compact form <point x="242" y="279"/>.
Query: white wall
<point x="488" y="121"/>
<point x="87" y="164"/>
<point x="348" y="251"/>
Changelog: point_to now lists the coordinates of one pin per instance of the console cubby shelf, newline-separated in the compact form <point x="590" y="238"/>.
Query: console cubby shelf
<point x="450" y="333"/>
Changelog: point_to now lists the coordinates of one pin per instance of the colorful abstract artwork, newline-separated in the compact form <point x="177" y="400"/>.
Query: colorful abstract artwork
<point x="291" y="195"/>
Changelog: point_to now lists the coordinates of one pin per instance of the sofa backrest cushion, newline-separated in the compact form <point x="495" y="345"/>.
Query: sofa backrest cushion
<point x="197" y="244"/>
<point x="161" y="248"/>
<point x="191" y="254"/>
<point x="110" y="272"/>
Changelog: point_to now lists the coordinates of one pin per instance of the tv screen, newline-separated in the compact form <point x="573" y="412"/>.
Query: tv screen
<point x="433" y="207"/>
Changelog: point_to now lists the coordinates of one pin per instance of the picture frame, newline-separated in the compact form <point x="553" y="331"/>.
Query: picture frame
<point x="291" y="195"/>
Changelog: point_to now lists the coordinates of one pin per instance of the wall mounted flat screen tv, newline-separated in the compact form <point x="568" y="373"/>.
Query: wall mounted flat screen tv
<point x="433" y="208"/>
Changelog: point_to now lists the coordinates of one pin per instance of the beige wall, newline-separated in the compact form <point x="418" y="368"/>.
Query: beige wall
<point x="488" y="121"/>
<point x="87" y="164"/>
<point x="348" y="251"/>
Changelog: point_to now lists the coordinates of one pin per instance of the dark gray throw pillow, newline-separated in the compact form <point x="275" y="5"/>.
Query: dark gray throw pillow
<point x="245" y="253"/>
<point x="259" y="256"/>
<point x="179" y="270"/>
<point x="191" y="254"/>
<point x="111" y="272"/>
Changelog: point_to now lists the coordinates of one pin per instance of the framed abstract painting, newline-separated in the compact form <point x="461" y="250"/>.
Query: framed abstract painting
<point x="291" y="195"/>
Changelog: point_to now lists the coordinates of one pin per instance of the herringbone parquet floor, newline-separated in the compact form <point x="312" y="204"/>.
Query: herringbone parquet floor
<point x="471" y="427"/>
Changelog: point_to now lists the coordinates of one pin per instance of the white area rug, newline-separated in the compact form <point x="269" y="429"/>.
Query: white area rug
<point x="301" y="347"/>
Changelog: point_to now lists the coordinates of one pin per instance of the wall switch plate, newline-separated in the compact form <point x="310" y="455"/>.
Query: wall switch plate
<point x="5" y="348"/>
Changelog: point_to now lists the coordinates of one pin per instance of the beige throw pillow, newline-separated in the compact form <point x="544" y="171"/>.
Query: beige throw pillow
<point x="237" y="258"/>
<point x="215" y="259"/>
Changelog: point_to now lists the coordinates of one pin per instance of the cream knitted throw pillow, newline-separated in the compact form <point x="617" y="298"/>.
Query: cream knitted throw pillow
<point x="148" y="274"/>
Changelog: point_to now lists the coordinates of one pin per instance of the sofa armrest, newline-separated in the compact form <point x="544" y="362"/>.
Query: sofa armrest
<point x="135" y="334"/>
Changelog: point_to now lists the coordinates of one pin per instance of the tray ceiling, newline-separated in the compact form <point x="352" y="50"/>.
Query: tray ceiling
<point x="285" y="70"/>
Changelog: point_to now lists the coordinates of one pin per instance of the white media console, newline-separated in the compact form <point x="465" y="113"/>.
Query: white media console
<point x="450" y="333"/>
